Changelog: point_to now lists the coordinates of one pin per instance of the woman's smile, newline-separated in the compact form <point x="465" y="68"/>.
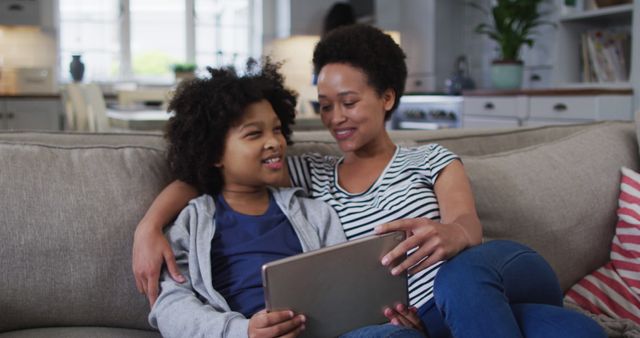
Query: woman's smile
<point x="343" y="133"/>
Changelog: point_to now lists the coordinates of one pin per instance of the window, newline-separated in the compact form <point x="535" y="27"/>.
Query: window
<point x="91" y="29"/>
<point x="157" y="37"/>
<point x="140" y="39"/>
<point x="223" y="32"/>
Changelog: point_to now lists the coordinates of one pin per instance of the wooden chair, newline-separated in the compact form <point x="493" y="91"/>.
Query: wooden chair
<point x="86" y="109"/>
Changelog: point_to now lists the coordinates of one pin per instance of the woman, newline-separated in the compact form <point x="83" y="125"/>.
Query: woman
<point x="481" y="291"/>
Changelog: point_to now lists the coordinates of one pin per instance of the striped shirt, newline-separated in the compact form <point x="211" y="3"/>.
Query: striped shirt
<point x="403" y="190"/>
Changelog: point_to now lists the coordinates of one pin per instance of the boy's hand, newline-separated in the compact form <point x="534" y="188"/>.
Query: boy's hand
<point x="401" y="315"/>
<point x="265" y="324"/>
<point x="150" y="250"/>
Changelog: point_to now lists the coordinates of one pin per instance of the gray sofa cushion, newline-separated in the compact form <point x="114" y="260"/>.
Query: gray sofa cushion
<point x="66" y="227"/>
<point x="558" y="197"/>
<point x="80" y="332"/>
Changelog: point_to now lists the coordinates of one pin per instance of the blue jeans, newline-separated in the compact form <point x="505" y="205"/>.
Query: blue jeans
<point x="501" y="289"/>
<point x="383" y="331"/>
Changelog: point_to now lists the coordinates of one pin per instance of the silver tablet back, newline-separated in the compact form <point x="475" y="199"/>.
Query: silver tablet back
<point x="338" y="288"/>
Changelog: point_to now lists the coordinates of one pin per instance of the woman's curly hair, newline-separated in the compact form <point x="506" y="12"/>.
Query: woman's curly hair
<point x="205" y="109"/>
<point x="369" y="49"/>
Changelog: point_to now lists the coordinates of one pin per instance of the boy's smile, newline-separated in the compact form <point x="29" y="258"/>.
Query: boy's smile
<point x="273" y="162"/>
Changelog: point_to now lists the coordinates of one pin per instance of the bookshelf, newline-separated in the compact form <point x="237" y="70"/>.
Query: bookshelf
<point x="623" y="12"/>
<point x="570" y="28"/>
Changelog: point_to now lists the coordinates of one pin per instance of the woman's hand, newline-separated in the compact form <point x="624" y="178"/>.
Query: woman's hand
<point x="402" y="315"/>
<point x="265" y="324"/>
<point x="459" y="226"/>
<point x="434" y="242"/>
<point x="150" y="250"/>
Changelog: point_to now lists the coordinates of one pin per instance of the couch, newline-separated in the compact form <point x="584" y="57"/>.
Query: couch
<point x="70" y="202"/>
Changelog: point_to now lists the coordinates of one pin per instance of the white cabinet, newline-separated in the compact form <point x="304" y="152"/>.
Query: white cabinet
<point x="544" y="107"/>
<point x="495" y="106"/>
<point x="563" y="107"/>
<point x="575" y="109"/>
<point x="30" y="113"/>
<point x="19" y="12"/>
<point x="493" y="111"/>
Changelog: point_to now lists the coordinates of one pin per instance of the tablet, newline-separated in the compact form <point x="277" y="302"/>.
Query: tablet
<point x="338" y="288"/>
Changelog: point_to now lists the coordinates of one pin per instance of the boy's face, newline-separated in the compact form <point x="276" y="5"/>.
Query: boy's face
<point x="253" y="157"/>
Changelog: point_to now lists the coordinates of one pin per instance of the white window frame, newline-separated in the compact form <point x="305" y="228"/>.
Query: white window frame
<point x="126" y="70"/>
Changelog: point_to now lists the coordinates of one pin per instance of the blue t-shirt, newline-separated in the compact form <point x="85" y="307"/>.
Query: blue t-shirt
<point x="241" y="245"/>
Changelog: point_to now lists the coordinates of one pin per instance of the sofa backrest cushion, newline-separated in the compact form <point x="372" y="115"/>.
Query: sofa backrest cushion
<point x="463" y="141"/>
<point x="558" y="197"/>
<point x="69" y="207"/>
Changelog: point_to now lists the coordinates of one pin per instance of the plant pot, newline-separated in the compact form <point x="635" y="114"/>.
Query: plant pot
<point x="506" y="74"/>
<point x="181" y="76"/>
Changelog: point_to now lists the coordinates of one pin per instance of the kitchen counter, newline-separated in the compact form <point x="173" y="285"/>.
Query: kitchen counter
<point x="29" y="96"/>
<point x="11" y="95"/>
<point x="549" y="92"/>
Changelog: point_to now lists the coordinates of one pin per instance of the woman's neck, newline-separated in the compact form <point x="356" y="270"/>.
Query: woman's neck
<point x="360" y="169"/>
<point x="248" y="202"/>
<point x="380" y="149"/>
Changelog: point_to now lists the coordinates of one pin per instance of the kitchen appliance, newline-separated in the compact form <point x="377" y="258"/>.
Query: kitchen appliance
<point x="460" y="79"/>
<point x="427" y="112"/>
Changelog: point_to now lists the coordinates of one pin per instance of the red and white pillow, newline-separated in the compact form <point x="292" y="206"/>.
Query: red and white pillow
<point x="614" y="289"/>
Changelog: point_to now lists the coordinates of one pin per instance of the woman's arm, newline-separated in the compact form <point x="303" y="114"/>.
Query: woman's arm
<point x="458" y="229"/>
<point x="457" y="205"/>
<point x="150" y="248"/>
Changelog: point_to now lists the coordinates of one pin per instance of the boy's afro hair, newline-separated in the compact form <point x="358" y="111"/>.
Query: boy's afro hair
<point x="206" y="108"/>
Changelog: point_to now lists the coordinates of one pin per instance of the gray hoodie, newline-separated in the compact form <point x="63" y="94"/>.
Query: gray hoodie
<point x="194" y="308"/>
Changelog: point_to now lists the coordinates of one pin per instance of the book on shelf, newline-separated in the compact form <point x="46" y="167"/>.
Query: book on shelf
<point x="605" y="55"/>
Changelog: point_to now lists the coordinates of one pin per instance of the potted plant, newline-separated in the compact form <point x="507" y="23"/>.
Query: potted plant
<point x="184" y="71"/>
<point x="512" y="25"/>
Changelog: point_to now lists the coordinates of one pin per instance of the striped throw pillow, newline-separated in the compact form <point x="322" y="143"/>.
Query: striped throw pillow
<point x="614" y="289"/>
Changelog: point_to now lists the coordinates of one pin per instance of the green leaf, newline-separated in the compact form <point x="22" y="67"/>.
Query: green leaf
<point x="512" y="24"/>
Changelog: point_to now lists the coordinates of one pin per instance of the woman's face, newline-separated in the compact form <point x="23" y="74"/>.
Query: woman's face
<point x="254" y="150"/>
<point x="350" y="108"/>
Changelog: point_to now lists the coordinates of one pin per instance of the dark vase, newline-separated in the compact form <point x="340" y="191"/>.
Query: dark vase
<point x="76" y="68"/>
